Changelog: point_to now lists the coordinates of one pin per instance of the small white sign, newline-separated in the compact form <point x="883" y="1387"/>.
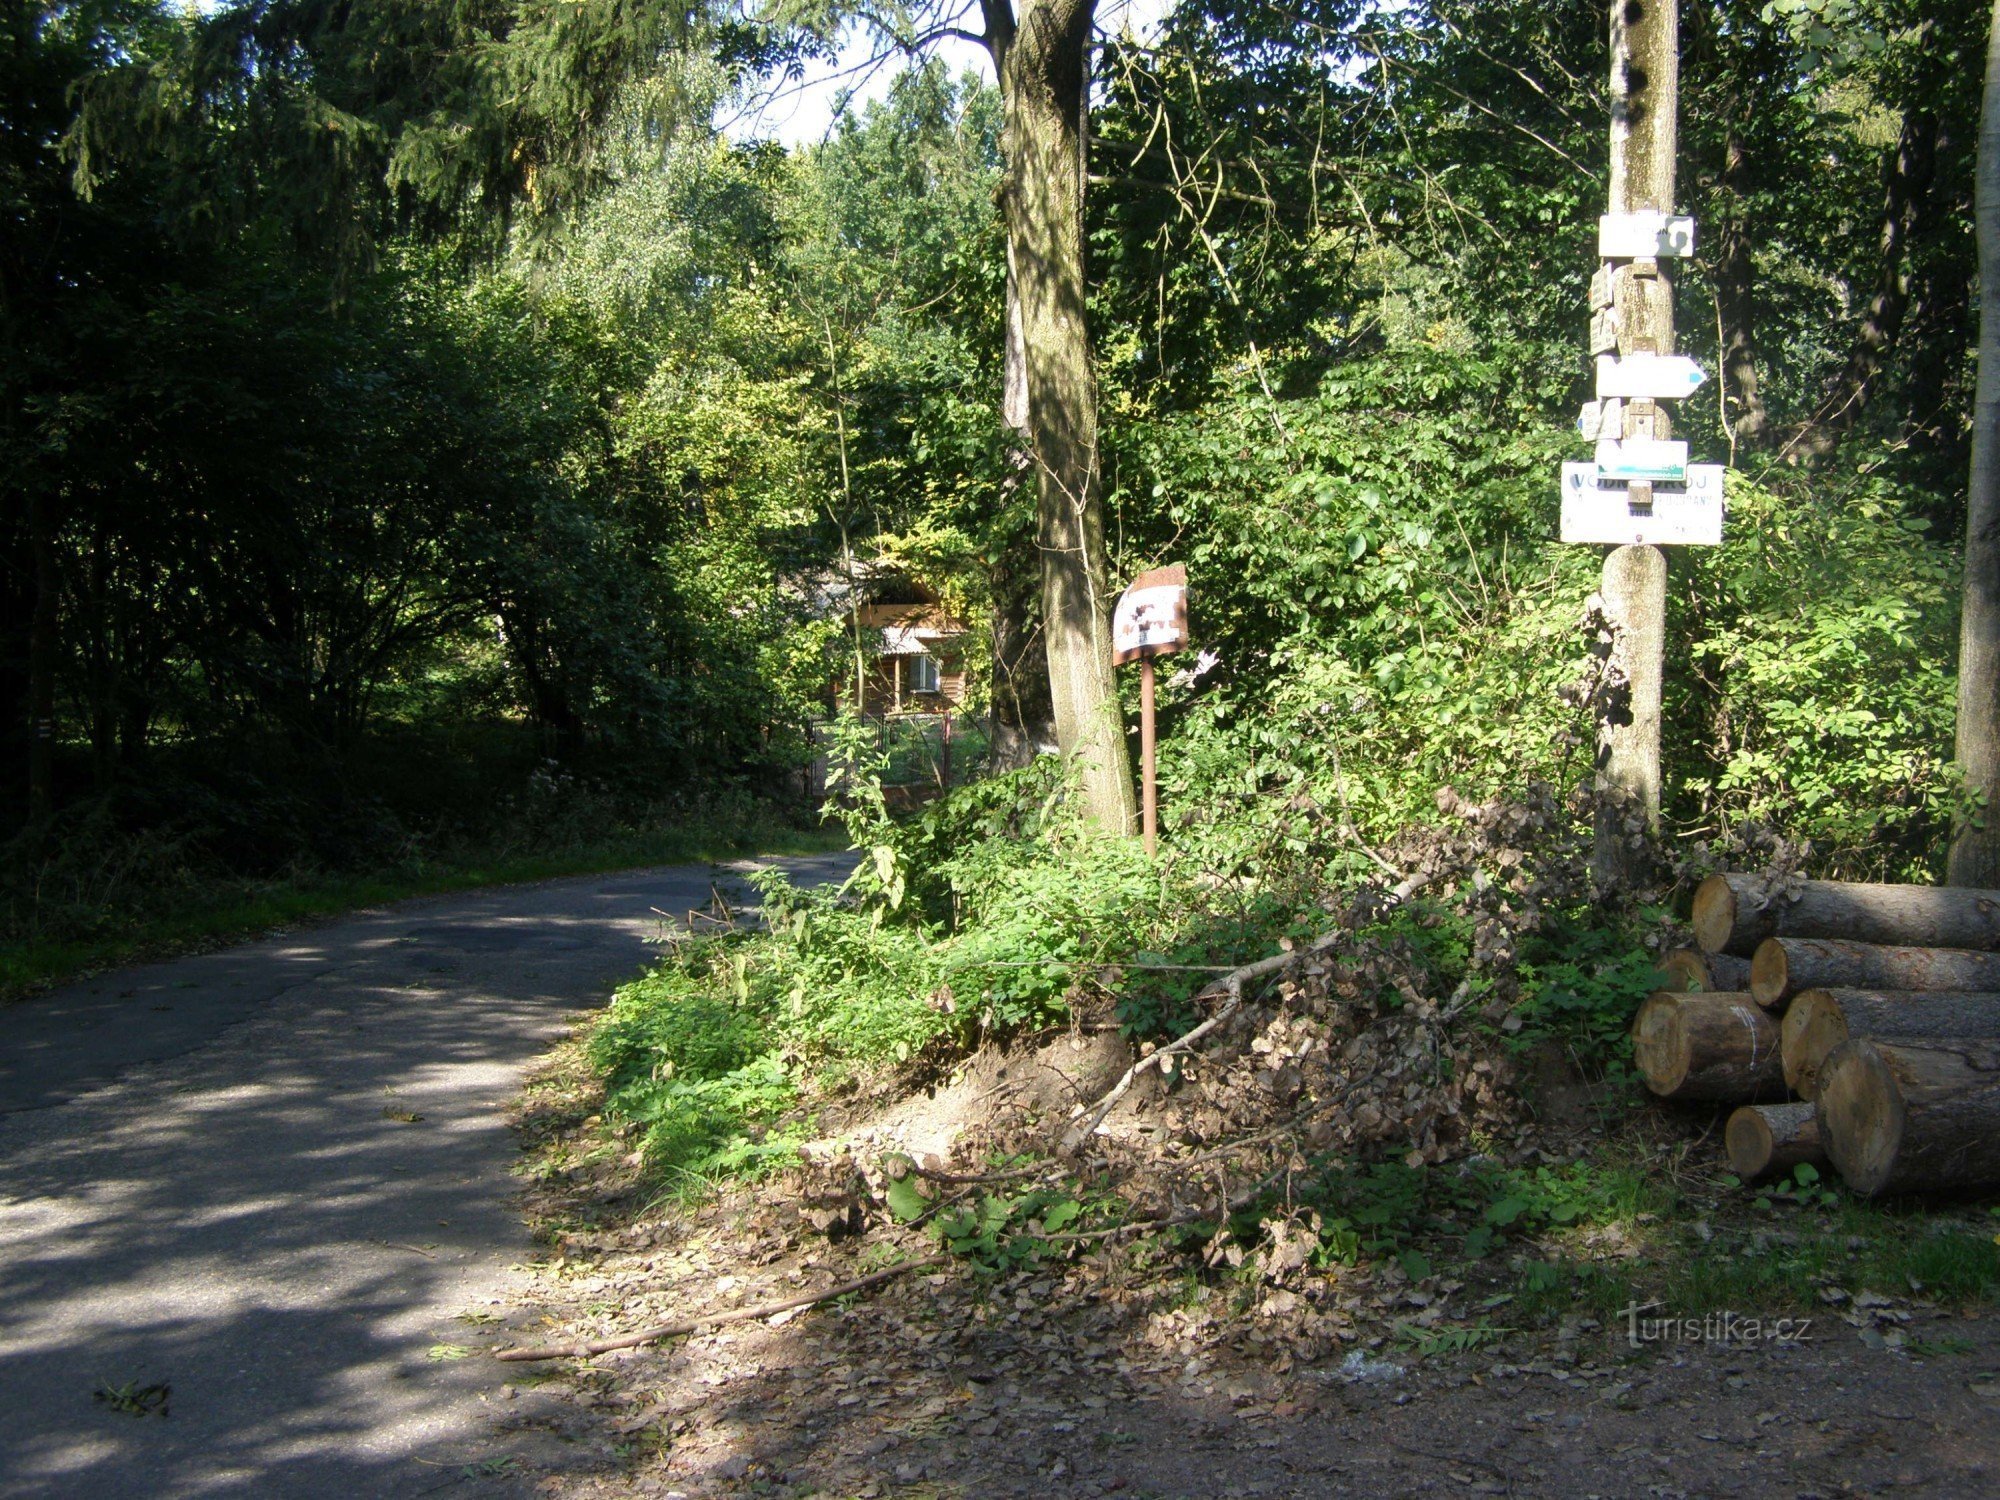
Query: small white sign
<point x="1599" y="512"/>
<point x="1642" y="458"/>
<point x="1600" y="288"/>
<point x="1645" y="235"/>
<point x="1601" y="419"/>
<point x="1657" y="377"/>
<point x="1604" y="332"/>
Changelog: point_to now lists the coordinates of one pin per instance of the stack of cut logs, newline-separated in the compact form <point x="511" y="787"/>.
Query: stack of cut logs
<point x="1877" y="1006"/>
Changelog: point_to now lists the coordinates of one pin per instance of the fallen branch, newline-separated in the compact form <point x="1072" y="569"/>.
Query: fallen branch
<point x="1231" y="984"/>
<point x="591" y="1347"/>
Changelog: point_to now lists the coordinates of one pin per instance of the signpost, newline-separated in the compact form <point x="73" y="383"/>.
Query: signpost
<point x="1150" y="621"/>
<point x="1640" y="493"/>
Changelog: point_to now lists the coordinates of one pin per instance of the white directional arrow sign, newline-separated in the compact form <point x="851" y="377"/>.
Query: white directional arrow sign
<point x="1648" y="377"/>
<point x="1649" y="235"/>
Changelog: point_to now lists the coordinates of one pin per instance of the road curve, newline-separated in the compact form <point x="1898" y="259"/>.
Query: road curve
<point x="273" y="1179"/>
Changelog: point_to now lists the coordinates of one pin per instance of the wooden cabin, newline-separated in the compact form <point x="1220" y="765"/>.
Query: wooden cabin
<point x="916" y="660"/>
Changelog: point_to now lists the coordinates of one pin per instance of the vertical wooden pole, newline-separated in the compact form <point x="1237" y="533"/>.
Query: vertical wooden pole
<point x="1645" y="85"/>
<point x="946" y="769"/>
<point x="1975" y="854"/>
<point x="1151" y="788"/>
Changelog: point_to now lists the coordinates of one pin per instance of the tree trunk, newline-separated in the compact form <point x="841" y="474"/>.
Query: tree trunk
<point x="1043" y="64"/>
<point x="1736" y="301"/>
<point x="1915" y="1117"/>
<point x="1022" y="717"/>
<point x="1975" y="854"/>
<point x="1820" y="1020"/>
<point x="1645" y="91"/>
<point x="42" y="647"/>
<point x="1734" y="913"/>
<point x="1906" y="191"/>
<point x="1719" y="1047"/>
<point x="1784" y="967"/>
<point x="1767" y="1139"/>
<point x="1692" y="969"/>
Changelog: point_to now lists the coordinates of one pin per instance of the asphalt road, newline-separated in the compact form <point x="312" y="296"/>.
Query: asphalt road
<point x="210" y="1180"/>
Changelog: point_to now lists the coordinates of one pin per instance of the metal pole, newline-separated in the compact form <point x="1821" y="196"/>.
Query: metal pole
<point x="1645" y="83"/>
<point x="1146" y="765"/>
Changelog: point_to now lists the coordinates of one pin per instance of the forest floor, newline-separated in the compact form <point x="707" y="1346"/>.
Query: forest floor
<point x="1057" y="1380"/>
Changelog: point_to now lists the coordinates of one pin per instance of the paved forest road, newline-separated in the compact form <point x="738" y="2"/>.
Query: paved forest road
<point x="208" y="1179"/>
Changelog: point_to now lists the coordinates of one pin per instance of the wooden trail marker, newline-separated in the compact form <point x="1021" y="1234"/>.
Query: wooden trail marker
<point x="1150" y="621"/>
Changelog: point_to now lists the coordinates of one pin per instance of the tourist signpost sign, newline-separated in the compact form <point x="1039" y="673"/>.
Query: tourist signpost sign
<point x="1151" y="620"/>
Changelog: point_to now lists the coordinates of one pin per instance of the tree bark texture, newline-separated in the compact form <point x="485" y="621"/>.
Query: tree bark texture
<point x="1736" y="299"/>
<point x="1907" y="178"/>
<point x="1634" y="597"/>
<point x="1714" y="1047"/>
<point x="1907" y="1117"/>
<point x="1784" y="967"/>
<point x="1692" y="969"/>
<point x="1975" y="853"/>
<point x="1042" y="58"/>
<point x="1022" y="718"/>
<point x="1734" y="913"/>
<point x="1820" y="1020"/>
<point x="1645" y="87"/>
<point x="1769" y="1139"/>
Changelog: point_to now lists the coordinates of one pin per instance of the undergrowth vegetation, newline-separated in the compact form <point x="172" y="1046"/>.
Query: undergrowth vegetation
<point x="1396" y="679"/>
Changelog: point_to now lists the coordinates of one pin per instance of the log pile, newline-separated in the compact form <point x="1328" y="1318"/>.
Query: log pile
<point x="1873" y="1009"/>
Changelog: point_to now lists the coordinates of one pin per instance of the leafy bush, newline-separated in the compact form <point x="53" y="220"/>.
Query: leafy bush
<point x="693" y="1071"/>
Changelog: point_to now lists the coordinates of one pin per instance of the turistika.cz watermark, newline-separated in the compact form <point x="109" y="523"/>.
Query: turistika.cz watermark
<point x="1724" y="1327"/>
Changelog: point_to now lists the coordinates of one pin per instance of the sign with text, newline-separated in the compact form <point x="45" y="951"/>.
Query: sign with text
<point x="1648" y="377"/>
<point x="1643" y="458"/>
<point x="1648" y="235"/>
<point x="1602" y="512"/>
<point x="1151" y="618"/>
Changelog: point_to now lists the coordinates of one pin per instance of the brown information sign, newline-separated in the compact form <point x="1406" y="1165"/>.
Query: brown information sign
<point x="1151" y="618"/>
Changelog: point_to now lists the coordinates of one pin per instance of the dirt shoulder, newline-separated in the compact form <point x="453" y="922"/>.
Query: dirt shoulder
<point x="1085" y="1377"/>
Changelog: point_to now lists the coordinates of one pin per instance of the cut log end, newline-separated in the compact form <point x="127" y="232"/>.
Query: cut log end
<point x="1770" y="980"/>
<point x="1685" y="969"/>
<point x="1714" y="914"/>
<point x="1765" y="1139"/>
<point x="1813" y="1026"/>
<point x="1658" y="1048"/>
<point x="1719" y="1047"/>
<point x="1862" y="1115"/>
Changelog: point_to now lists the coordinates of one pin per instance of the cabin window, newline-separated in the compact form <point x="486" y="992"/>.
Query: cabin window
<point x="921" y="674"/>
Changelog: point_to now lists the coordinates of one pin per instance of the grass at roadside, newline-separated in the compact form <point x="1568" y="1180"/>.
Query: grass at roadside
<point x="223" y="912"/>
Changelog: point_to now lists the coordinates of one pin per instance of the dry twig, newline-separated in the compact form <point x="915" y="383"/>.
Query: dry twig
<point x="584" y="1350"/>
